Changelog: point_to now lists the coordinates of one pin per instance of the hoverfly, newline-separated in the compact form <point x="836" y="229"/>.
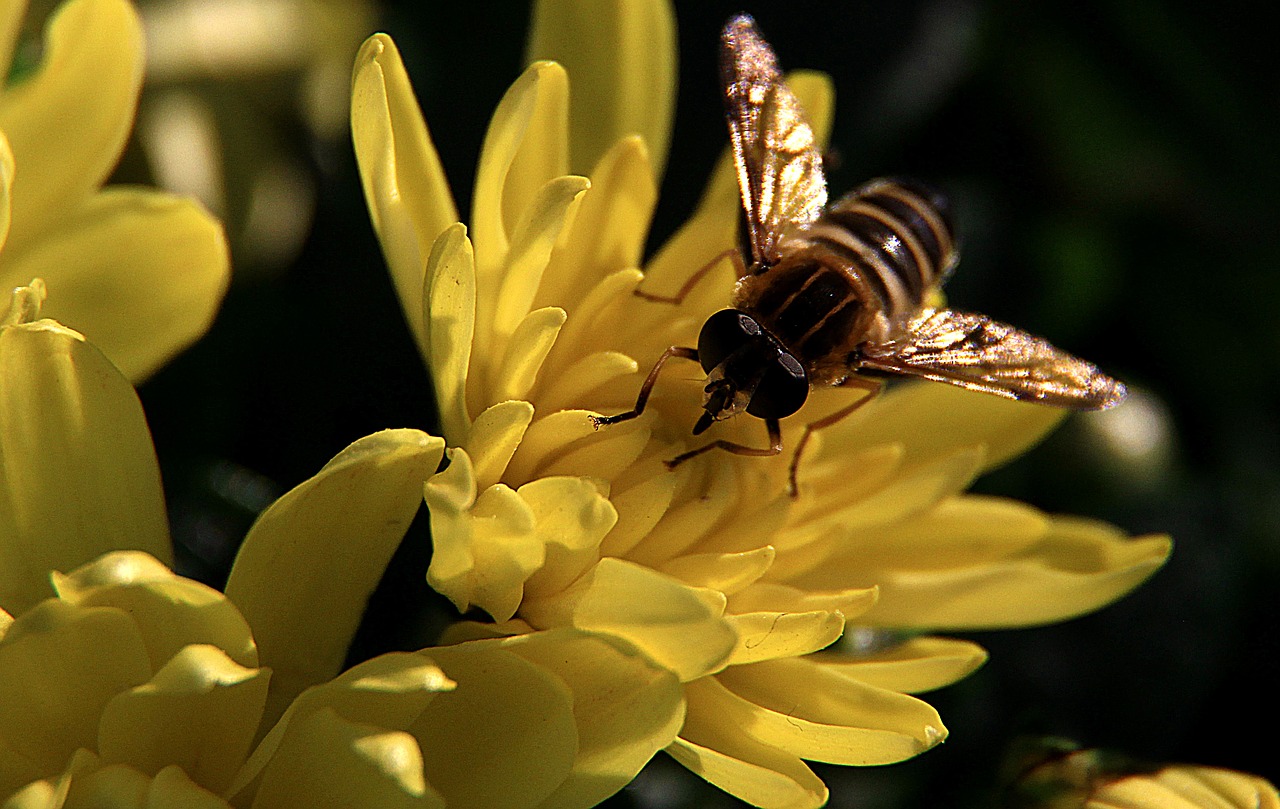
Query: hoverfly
<point x="835" y="291"/>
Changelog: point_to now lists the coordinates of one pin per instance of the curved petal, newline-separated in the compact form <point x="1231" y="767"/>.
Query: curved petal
<point x="173" y="789"/>
<point x="525" y="147"/>
<point x="138" y="271"/>
<point x="572" y="517"/>
<point x="676" y="626"/>
<point x="68" y="122"/>
<point x="389" y="691"/>
<point x="200" y="711"/>
<point x="60" y="666"/>
<point x="1079" y="566"/>
<point x="621" y="59"/>
<point x="329" y="762"/>
<point x="772" y="635"/>
<point x="170" y="611"/>
<point x="327" y="542"/>
<point x="495" y="436"/>
<point x="449" y="313"/>
<point x="483" y="548"/>
<point x="714" y="747"/>
<point x="1187" y="787"/>
<point x="510" y="719"/>
<point x="805" y="708"/>
<point x="77" y="469"/>
<point x="526" y="350"/>
<point x="931" y="420"/>
<point x="912" y="667"/>
<point x="404" y="184"/>
<point x="625" y="708"/>
<point x="610" y="227"/>
<point x="6" y="184"/>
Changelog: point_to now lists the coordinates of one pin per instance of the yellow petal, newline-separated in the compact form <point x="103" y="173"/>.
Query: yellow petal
<point x="200" y="711"/>
<point x="6" y="182"/>
<point x="931" y="419"/>
<point x="621" y="59"/>
<point x="67" y="123"/>
<point x="495" y="435"/>
<point x="324" y="546"/>
<point x="772" y="635"/>
<point x="670" y="622"/>
<point x="572" y="518"/>
<point x="705" y="236"/>
<point x="170" y="611"/>
<point x="404" y="185"/>
<point x="389" y="691"/>
<point x="524" y="148"/>
<point x="328" y="762"/>
<point x="962" y="531"/>
<point x="505" y="298"/>
<point x="173" y="789"/>
<point x="625" y="709"/>
<point x="609" y="230"/>
<point x="139" y="272"/>
<point x="569" y="388"/>
<point x="912" y="667"/>
<point x="565" y="443"/>
<point x="76" y="462"/>
<point x="726" y="572"/>
<point x="1079" y="567"/>
<point x="801" y="706"/>
<point x="483" y="546"/>
<point x="60" y="666"/>
<point x="526" y="350"/>
<point x="715" y="747"/>
<point x="449" y="311"/>
<point x="510" y="721"/>
<point x="817" y="96"/>
<point x="1187" y="787"/>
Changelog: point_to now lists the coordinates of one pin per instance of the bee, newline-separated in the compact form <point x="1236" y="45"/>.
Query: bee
<point x="840" y="294"/>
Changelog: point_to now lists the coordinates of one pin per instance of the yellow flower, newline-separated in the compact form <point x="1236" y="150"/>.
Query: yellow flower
<point x="528" y="323"/>
<point x="127" y="685"/>
<point x="140" y="270"/>
<point x="1073" y="778"/>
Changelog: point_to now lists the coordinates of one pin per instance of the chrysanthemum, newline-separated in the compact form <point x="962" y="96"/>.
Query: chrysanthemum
<point x="528" y="322"/>
<point x="142" y="271"/>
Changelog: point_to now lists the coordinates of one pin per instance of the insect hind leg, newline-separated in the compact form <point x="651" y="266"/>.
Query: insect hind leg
<point x="740" y="269"/>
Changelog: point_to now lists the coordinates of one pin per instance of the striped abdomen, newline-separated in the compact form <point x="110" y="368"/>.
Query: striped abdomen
<point x="856" y="275"/>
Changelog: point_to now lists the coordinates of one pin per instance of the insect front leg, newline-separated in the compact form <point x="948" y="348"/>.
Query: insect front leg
<point x="732" y="254"/>
<point x="775" y="446"/>
<point x="645" y="389"/>
<point x="872" y="386"/>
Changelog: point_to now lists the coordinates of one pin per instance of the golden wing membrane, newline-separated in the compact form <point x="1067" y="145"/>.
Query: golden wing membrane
<point x="774" y="150"/>
<point x="978" y="353"/>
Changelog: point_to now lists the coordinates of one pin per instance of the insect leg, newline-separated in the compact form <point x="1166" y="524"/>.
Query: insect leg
<point x="732" y="254"/>
<point x="873" y="386"/>
<point x="775" y="446"/>
<point x="674" y="351"/>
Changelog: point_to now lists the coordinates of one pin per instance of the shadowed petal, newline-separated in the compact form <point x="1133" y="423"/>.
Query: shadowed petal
<point x="68" y="122"/>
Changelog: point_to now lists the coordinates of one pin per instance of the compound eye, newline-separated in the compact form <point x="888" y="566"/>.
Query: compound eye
<point x="724" y="333"/>
<point x="782" y="389"/>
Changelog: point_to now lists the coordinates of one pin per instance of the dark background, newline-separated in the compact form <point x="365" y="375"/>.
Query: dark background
<point x="1114" y="170"/>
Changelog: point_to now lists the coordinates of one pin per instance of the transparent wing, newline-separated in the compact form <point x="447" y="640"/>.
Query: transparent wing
<point x="779" y="166"/>
<point x="976" y="352"/>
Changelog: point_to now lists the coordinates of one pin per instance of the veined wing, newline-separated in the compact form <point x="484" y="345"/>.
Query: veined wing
<point x="976" y="352"/>
<point x="779" y="166"/>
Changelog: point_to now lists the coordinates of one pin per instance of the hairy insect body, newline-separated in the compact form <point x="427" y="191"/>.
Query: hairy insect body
<point x="850" y="282"/>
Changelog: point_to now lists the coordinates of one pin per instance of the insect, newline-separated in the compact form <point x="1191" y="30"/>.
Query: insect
<point x="838" y="294"/>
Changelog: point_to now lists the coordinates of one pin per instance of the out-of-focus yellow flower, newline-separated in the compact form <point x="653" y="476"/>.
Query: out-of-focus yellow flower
<point x="1073" y="778"/>
<point x="140" y="270"/>
<point x="529" y="323"/>
<point x="127" y="685"/>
